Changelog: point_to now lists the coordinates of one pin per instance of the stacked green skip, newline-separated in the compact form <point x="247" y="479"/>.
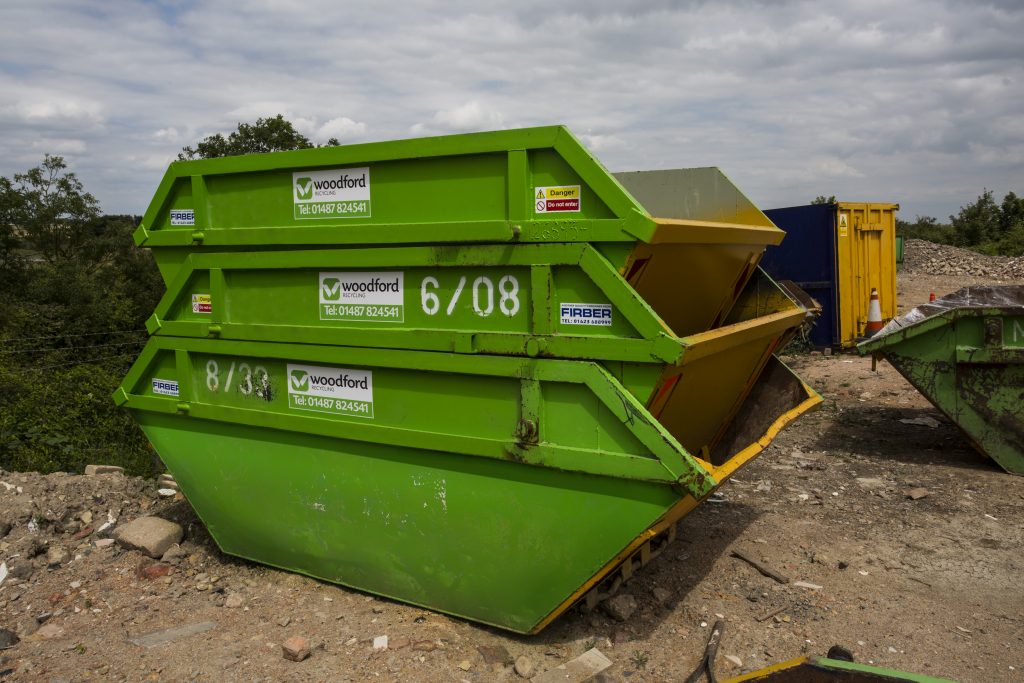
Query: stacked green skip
<point x="476" y="373"/>
<point x="965" y="353"/>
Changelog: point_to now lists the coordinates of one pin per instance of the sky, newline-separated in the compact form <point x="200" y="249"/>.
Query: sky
<point x="917" y="102"/>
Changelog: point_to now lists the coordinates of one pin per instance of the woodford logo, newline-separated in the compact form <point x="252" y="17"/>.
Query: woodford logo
<point x="336" y="193"/>
<point x="330" y="390"/>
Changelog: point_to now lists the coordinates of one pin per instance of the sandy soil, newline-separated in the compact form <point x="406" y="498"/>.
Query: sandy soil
<point x="929" y="585"/>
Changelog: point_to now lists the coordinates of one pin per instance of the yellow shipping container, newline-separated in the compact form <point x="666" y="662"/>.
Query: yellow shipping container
<point x="838" y="253"/>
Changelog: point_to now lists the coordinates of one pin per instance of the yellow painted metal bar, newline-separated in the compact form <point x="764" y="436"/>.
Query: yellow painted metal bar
<point x="768" y="670"/>
<point x="675" y="230"/>
<point x="708" y="343"/>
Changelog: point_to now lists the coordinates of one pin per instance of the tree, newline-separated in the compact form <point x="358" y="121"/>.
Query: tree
<point x="977" y="223"/>
<point x="925" y="228"/>
<point x="275" y="134"/>
<point x="1011" y="214"/>
<point x="11" y="263"/>
<point x="53" y="209"/>
<point x="822" y="199"/>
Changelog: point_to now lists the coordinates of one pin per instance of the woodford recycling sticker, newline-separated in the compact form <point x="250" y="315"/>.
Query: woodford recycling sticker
<point x="376" y="297"/>
<point x="330" y="390"/>
<point x="337" y="193"/>
<point x="557" y="199"/>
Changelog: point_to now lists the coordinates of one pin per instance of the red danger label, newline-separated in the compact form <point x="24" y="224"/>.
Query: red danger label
<point x="563" y="205"/>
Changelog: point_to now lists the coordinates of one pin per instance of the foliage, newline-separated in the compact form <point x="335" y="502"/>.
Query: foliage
<point x="925" y="228"/>
<point x="74" y="295"/>
<point x="982" y="225"/>
<point x="822" y="199"/>
<point x="274" y="134"/>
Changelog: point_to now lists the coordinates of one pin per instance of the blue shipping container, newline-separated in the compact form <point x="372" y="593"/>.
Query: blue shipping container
<point x="807" y="256"/>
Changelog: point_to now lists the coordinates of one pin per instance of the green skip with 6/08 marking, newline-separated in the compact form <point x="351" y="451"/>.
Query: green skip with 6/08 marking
<point x="430" y="368"/>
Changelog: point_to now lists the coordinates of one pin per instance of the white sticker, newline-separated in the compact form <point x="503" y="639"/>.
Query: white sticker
<point x="586" y="314"/>
<point x="202" y="303"/>
<point x="557" y="199"/>
<point x="378" y="297"/>
<point x="165" y="387"/>
<point x="330" y="390"/>
<point x="183" y="217"/>
<point x="337" y="193"/>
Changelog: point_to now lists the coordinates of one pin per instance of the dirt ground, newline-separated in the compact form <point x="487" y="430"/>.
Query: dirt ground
<point x="930" y="585"/>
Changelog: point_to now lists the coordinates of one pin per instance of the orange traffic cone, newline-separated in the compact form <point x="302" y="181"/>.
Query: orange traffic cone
<point x="931" y="297"/>
<point x="874" y="314"/>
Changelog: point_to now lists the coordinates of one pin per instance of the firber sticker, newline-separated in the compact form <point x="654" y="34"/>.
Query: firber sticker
<point x="377" y="297"/>
<point x="337" y="193"/>
<point x="586" y="314"/>
<point x="165" y="387"/>
<point x="341" y="391"/>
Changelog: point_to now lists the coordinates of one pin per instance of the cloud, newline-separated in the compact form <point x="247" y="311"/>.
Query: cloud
<point x="468" y="117"/>
<point x="917" y="103"/>
<point x="343" y="128"/>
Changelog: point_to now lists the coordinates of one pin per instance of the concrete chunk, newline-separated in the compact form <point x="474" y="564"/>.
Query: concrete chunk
<point x="583" y="668"/>
<point x="168" y="635"/>
<point x="103" y="469"/>
<point x="150" y="535"/>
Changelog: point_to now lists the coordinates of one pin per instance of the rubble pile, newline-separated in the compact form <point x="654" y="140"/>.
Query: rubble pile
<point x="921" y="256"/>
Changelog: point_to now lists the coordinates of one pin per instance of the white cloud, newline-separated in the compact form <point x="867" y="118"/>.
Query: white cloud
<point x="343" y="128"/>
<point x="468" y="117"/>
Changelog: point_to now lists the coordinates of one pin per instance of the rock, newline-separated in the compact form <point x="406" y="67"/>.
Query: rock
<point x="154" y="570"/>
<point x="57" y="555"/>
<point x="5" y="528"/>
<point x="494" y="654"/>
<point x="166" y="493"/>
<point x="295" y="649"/>
<point x="28" y="626"/>
<point x="465" y="665"/>
<point x="734" y="660"/>
<point x="48" y="631"/>
<point x="166" y="481"/>
<point x="104" y="542"/>
<point x="583" y="668"/>
<point x="380" y="643"/>
<point x="620" y="607"/>
<point x="8" y="639"/>
<point x="150" y="535"/>
<point x="174" y="553"/>
<point x="234" y="601"/>
<point x="662" y="595"/>
<point x="167" y="635"/>
<point x="924" y="421"/>
<point x="524" y="666"/>
<point x="94" y="470"/>
<point x="284" y="621"/>
<point x="22" y="570"/>
<point x="86" y="517"/>
<point x="917" y="493"/>
<point x="870" y="483"/>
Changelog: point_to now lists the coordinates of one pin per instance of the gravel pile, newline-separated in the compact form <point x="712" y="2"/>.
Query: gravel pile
<point x="920" y="256"/>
